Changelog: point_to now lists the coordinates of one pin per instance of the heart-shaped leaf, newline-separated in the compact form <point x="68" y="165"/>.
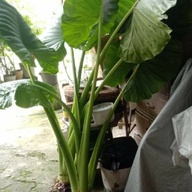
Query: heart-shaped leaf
<point x="19" y="37"/>
<point x="81" y="19"/>
<point x="153" y="74"/>
<point x="147" y="35"/>
<point x="7" y="92"/>
<point x="111" y="58"/>
<point x="28" y="94"/>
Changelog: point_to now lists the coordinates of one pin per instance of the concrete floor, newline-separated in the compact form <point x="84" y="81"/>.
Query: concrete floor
<point x="28" y="150"/>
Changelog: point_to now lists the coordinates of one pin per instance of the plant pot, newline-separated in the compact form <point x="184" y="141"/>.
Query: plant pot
<point x="19" y="74"/>
<point x="116" y="161"/>
<point x="51" y="79"/>
<point x="114" y="181"/>
<point x="25" y="73"/>
<point x="9" y="78"/>
<point x="100" y="113"/>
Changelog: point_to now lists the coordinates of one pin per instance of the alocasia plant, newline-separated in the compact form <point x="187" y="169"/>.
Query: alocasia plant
<point x="139" y="49"/>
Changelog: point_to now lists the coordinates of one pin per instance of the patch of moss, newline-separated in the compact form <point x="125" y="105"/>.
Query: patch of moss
<point x="37" y="154"/>
<point x="25" y="173"/>
<point x="2" y="169"/>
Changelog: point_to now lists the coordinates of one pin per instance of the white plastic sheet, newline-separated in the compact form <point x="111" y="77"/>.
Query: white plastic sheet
<point x="153" y="169"/>
<point x="182" y="145"/>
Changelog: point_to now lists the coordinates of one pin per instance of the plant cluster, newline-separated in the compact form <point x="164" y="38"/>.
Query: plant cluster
<point x="141" y="50"/>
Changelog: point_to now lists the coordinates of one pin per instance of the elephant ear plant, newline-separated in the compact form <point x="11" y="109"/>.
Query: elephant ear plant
<point x="139" y="48"/>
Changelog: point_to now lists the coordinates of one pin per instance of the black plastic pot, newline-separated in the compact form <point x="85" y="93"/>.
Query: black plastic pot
<point x="115" y="163"/>
<point x="118" y="153"/>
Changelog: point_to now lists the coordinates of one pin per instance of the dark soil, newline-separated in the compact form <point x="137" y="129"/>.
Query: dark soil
<point x="65" y="187"/>
<point x="60" y="187"/>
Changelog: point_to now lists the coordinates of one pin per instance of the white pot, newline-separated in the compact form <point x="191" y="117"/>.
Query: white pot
<point x="9" y="78"/>
<point x="25" y="73"/>
<point x="100" y="113"/>
<point x="114" y="181"/>
<point x="49" y="78"/>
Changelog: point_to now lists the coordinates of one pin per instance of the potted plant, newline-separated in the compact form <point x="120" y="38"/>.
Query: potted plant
<point x="149" y="57"/>
<point x="7" y="64"/>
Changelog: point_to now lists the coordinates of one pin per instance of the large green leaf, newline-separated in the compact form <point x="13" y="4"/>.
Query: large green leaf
<point x="25" y="93"/>
<point x="114" y="15"/>
<point x="77" y="23"/>
<point x="124" y="7"/>
<point x="11" y="26"/>
<point x="180" y="20"/>
<point x="147" y="35"/>
<point x="81" y="18"/>
<point x="28" y="95"/>
<point x="7" y="91"/>
<point x="18" y="35"/>
<point x="153" y="74"/>
<point x="111" y="58"/>
<point x="53" y="35"/>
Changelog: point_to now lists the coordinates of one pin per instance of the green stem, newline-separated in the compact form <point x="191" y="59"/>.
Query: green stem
<point x="68" y="110"/>
<point x="97" y="149"/>
<point x="81" y="66"/>
<point x="71" y="169"/>
<point x="111" y="72"/>
<point x="75" y="107"/>
<point x="71" y="143"/>
<point x="74" y="71"/>
<point x="30" y="73"/>
<point x="86" y="90"/>
<point x="84" y="153"/>
<point x="65" y="68"/>
<point x="62" y="169"/>
<point x="112" y="37"/>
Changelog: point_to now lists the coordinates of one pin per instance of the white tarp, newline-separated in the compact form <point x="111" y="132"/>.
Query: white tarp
<point x="153" y="169"/>
<point x="182" y="145"/>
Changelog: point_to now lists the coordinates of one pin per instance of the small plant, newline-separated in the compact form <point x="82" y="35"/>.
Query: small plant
<point x="6" y="62"/>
